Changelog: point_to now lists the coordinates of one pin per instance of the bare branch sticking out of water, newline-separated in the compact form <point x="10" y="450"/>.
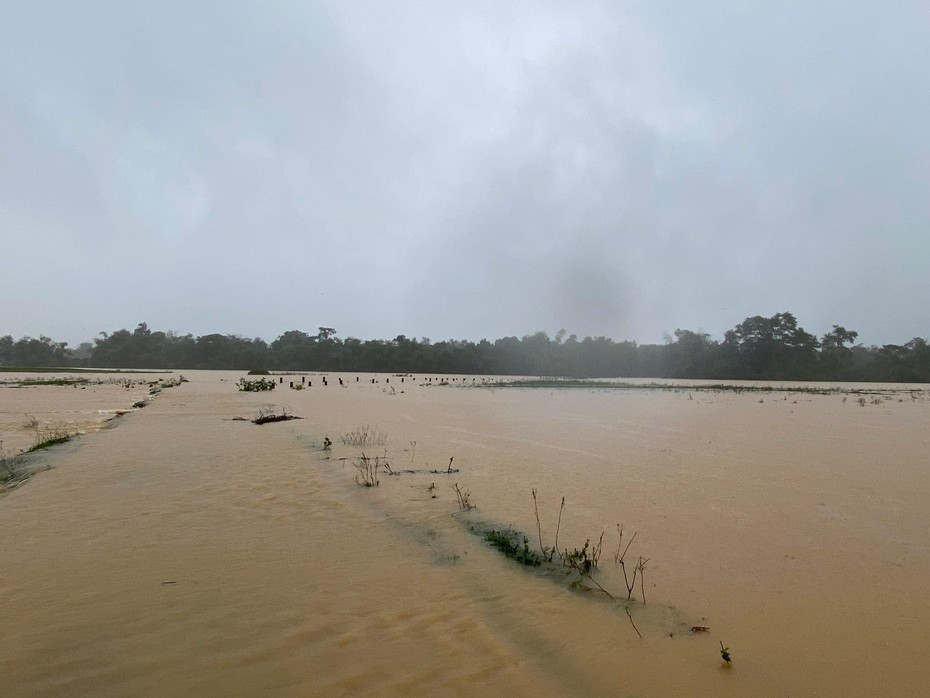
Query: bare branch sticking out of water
<point x="367" y="470"/>
<point x="464" y="498"/>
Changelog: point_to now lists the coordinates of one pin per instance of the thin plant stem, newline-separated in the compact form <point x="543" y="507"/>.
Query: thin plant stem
<point x="630" y="616"/>
<point x="538" y="524"/>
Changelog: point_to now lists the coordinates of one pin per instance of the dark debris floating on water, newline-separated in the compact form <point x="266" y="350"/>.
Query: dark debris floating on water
<point x="272" y="417"/>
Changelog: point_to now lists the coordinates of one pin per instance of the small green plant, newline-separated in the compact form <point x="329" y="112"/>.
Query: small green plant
<point x="725" y="654"/>
<point x="578" y="559"/>
<point x="507" y="541"/>
<point x="257" y="385"/>
<point x="327" y="444"/>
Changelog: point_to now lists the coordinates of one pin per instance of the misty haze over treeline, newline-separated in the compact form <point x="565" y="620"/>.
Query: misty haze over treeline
<point x="774" y="348"/>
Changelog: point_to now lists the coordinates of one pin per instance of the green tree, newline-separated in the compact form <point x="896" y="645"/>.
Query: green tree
<point x="6" y="350"/>
<point x="836" y="359"/>
<point x="691" y="355"/>
<point x="774" y="348"/>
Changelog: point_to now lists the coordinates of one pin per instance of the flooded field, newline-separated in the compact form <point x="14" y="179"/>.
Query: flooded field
<point x="181" y="551"/>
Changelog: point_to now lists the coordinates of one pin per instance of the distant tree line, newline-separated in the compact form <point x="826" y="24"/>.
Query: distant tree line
<point x="774" y="348"/>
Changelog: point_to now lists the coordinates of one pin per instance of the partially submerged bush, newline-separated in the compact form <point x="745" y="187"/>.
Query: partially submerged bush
<point x="507" y="541"/>
<point x="268" y="415"/>
<point x="257" y="385"/>
<point x="367" y="475"/>
<point x="258" y="372"/>
<point x="44" y="438"/>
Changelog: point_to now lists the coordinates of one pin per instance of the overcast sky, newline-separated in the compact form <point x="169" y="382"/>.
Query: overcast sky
<point x="464" y="169"/>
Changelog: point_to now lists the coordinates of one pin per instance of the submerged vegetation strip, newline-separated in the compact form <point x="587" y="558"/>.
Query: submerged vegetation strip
<point x="76" y="369"/>
<point x="16" y="468"/>
<point x="569" y="383"/>
<point x="579" y="564"/>
<point x="507" y="541"/>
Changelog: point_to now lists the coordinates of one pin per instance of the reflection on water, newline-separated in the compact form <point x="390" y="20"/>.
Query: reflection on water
<point x="184" y="552"/>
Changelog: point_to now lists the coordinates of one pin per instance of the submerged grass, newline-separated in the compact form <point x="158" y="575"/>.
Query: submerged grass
<point x="585" y="383"/>
<point x="364" y="436"/>
<point x="53" y="381"/>
<point x="52" y="369"/>
<point x="49" y="442"/>
<point x="507" y="541"/>
<point x="46" y="438"/>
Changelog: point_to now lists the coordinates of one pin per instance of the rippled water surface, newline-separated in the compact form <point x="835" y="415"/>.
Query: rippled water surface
<point x="179" y="551"/>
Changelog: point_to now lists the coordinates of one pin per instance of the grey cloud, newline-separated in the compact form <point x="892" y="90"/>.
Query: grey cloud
<point x="463" y="170"/>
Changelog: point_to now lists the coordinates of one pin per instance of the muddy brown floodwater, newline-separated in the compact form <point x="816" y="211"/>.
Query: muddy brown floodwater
<point x="180" y="552"/>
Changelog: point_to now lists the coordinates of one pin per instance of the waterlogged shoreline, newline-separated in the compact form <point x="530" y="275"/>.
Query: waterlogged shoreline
<point x="36" y="414"/>
<point x="889" y="390"/>
<point x="187" y="552"/>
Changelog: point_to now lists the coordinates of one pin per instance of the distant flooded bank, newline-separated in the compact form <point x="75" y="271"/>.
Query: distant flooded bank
<point x="188" y="550"/>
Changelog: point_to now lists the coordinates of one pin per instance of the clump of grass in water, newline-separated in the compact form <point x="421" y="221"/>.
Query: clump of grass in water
<point x="6" y="464"/>
<point x="507" y="541"/>
<point x="583" y="560"/>
<point x="48" y="437"/>
<point x="364" y="436"/>
<point x="52" y="438"/>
